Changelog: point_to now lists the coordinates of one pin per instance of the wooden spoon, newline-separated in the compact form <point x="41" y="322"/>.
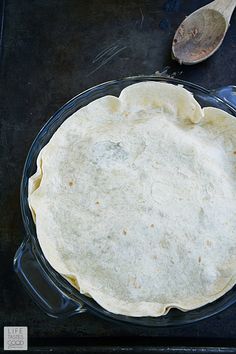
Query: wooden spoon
<point x="202" y="32"/>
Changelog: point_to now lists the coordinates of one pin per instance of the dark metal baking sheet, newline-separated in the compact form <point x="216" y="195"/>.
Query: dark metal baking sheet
<point x="52" y="50"/>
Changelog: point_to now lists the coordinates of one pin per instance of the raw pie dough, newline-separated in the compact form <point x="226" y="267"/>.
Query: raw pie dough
<point x="134" y="200"/>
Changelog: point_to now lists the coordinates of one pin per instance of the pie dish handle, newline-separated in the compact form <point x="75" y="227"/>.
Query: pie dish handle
<point x="226" y="93"/>
<point x="50" y="298"/>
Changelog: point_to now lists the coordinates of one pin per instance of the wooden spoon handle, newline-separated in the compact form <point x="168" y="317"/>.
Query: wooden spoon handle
<point x="225" y="7"/>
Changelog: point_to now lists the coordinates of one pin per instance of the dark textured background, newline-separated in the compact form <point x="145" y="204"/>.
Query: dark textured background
<point x="50" y="51"/>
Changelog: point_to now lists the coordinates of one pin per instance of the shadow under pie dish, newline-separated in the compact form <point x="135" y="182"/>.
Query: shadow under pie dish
<point x="138" y="193"/>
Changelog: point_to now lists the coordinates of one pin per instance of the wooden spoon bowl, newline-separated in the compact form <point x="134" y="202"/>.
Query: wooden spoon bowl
<point x="202" y="33"/>
<point x="199" y="36"/>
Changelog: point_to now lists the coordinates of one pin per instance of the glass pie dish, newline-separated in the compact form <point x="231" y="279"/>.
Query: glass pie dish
<point x="54" y="294"/>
